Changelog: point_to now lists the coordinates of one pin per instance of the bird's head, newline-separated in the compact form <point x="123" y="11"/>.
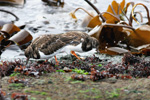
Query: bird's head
<point x="95" y="43"/>
<point x="89" y="43"/>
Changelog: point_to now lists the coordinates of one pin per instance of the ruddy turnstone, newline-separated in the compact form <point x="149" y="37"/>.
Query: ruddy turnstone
<point x="46" y="46"/>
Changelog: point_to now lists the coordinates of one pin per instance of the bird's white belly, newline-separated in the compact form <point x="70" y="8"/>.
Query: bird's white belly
<point x="69" y="48"/>
<point x="43" y="56"/>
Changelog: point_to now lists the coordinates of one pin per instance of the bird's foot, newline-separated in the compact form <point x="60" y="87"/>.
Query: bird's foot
<point x="73" y="53"/>
<point x="57" y="62"/>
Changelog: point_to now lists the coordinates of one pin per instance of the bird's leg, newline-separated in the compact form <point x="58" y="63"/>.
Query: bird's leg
<point x="72" y="52"/>
<point x="27" y="61"/>
<point x="46" y="60"/>
<point x="57" y="62"/>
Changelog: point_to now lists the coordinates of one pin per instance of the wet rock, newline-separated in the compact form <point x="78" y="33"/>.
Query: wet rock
<point x="39" y="82"/>
<point x="66" y="69"/>
<point x="54" y="2"/>
<point x="34" y="30"/>
<point x="50" y="82"/>
<point x="111" y="80"/>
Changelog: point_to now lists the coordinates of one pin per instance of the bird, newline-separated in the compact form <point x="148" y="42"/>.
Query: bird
<point x="49" y="45"/>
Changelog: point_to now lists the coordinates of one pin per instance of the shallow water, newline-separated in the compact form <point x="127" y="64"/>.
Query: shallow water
<point x="43" y="19"/>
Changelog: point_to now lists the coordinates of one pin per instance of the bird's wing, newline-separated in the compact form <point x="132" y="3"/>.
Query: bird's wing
<point x="41" y="40"/>
<point x="56" y="43"/>
<point x="77" y="36"/>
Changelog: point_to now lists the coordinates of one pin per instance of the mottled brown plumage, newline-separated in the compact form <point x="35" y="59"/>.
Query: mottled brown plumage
<point x="49" y="44"/>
